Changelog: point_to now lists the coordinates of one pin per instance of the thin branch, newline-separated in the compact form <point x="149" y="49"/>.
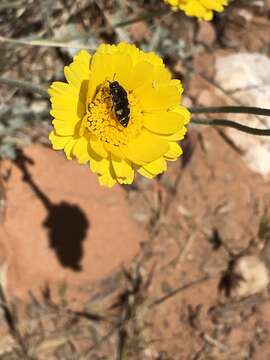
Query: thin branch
<point x="209" y="339"/>
<point x="26" y="86"/>
<point x="232" y="124"/>
<point x="177" y="291"/>
<point x="230" y="110"/>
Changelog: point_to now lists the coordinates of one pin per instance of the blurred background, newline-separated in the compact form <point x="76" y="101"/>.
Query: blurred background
<point x="174" y="268"/>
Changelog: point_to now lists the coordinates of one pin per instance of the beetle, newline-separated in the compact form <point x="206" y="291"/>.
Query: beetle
<point x="120" y="103"/>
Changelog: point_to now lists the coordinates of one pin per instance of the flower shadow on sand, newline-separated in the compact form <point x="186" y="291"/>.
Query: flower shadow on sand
<point x="66" y="223"/>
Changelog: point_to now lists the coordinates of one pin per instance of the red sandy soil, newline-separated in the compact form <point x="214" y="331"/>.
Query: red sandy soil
<point x="184" y="229"/>
<point x="61" y="226"/>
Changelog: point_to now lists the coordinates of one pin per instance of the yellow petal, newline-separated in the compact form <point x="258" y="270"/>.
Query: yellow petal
<point x="58" y="88"/>
<point x="131" y="50"/>
<point x="145" y="173"/>
<point x="179" y="135"/>
<point x="81" y="64"/>
<point x="214" y="4"/>
<point x="78" y="70"/>
<point x="153" y="168"/>
<point x="72" y="77"/>
<point x="71" y="102"/>
<point x="115" y="150"/>
<point x="99" y="166"/>
<point x="157" y="166"/>
<point x="174" y="152"/>
<point x="122" y="68"/>
<point x="146" y="147"/>
<point x="163" y="97"/>
<point x="185" y="114"/>
<point x="80" y="150"/>
<point x="66" y="115"/>
<point x="132" y="156"/>
<point x="58" y="142"/>
<point x="152" y="58"/>
<point x="123" y="170"/>
<point x="103" y="168"/>
<point x="102" y="68"/>
<point x="107" y="180"/>
<point x="163" y="122"/>
<point x="81" y="127"/>
<point x="178" y="84"/>
<point x="97" y="147"/>
<point x="106" y="49"/>
<point x="136" y="79"/>
<point x="63" y="128"/>
<point x="65" y="102"/>
<point x="162" y="74"/>
<point x="69" y="147"/>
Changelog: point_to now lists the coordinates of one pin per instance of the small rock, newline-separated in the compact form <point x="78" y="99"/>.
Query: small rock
<point x="252" y="276"/>
<point x="242" y="70"/>
<point x="245" y="15"/>
<point x="206" y="34"/>
<point x="184" y="211"/>
<point x="39" y="105"/>
<point x="247" y="78"/>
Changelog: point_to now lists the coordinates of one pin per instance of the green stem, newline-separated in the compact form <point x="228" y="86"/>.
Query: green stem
<point x="230" y="110"/>
<point x="232" y="124"/>
<point x="23" y="85"/>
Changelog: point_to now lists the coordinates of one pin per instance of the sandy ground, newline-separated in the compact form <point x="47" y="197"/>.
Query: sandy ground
<point x="148" y="271"/>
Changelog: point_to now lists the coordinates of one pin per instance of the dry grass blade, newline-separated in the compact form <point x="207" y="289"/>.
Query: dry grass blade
<point x="177" y="291"/>
<point x="20" y="84"/>
<point x="40" y="42"/>
<point x="12" y="322"/>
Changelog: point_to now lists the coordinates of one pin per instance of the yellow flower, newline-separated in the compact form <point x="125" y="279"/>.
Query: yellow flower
<point x="87" y="122"/>
<point x="202" y="9"/>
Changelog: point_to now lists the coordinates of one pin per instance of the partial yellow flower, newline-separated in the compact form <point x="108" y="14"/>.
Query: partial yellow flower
<point x="202" y="9"/>
<point x="87" y="123"/>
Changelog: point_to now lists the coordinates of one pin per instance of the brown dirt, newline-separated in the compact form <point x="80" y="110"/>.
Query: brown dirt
<point x="66" y="239"/>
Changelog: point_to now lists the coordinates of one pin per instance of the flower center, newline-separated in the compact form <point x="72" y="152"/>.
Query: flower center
<point x="102" y="121"/>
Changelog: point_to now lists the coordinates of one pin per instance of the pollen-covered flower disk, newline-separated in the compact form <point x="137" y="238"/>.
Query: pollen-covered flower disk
<point x="118" y="133"/>
<point x="202" y="9"/>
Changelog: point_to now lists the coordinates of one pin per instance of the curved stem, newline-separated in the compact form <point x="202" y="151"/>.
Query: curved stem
<point x="25" y="86"/>
<point x="230" y="110"/>
<point x="232" y="124"/>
